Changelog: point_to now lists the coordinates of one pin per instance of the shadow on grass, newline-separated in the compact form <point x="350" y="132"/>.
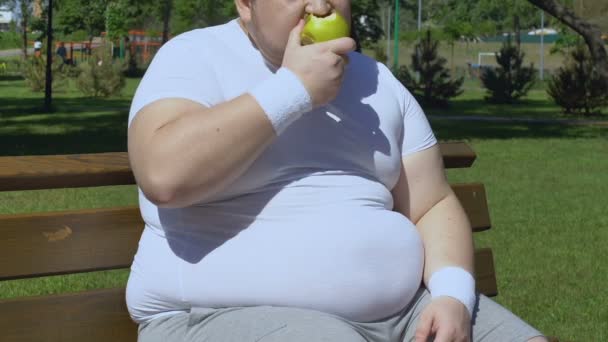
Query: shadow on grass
<point x="16" y="107"/>
<point x="446" y="129"/>
<point x="11" y="78"/>
<point x="88" y="125"/>
<point x="78" y="126"/>
<point x="528" y="108"/>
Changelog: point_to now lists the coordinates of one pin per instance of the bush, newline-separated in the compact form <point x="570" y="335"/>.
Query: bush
<point x="577" y="87"/>
<point x="101" y="76"/>
<point x="10" y="40"/>
<point x="34" y="71"/>
<point x="10" y="67"/>
<point x="510" y="80"/>
<point x="380" y="53"/>
<point x="434" y="86"/>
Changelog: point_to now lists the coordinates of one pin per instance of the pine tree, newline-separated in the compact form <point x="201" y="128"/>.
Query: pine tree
<point x="434" y="85"/>
<point x="511" y="80"/>
<point x="577" y="87"/>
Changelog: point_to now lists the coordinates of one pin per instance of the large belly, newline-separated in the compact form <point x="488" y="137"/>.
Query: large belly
<point x="362" y="264"/>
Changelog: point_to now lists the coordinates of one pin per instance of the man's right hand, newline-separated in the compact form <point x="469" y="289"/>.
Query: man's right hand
<point x="319" y="66"/>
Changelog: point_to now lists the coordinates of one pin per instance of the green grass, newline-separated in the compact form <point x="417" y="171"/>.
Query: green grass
<point x="546" y="187"/>
<point x="77" y="125"/>
<point x="535" y="105"/>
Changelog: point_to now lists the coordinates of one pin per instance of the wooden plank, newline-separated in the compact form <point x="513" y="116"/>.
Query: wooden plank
<point x="473" y="199"/>
<point x="485" y="274"/>
<point x="68" y="242"/>
<point x="54" y="243"/>
<point x="457" y="154"/>
<point x="64" y="171"/>
<point x="92" y="316"/>
<point x="101" y="169"/>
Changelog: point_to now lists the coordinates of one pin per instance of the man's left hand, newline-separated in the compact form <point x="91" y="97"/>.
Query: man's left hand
<point x="446" y="319"/>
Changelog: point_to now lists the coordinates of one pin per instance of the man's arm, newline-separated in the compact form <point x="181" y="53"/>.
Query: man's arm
<point x="182" y="152"/>
<point x="424" y="195"/>
<point x="426" y="198"/>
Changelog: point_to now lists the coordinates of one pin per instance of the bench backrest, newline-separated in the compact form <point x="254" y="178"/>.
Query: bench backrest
<point x="42" y="244"/>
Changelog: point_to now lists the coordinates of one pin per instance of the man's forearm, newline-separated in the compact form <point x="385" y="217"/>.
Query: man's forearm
<point x="447" y="237"/>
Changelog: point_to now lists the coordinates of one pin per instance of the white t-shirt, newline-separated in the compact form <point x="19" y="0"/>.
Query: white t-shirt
<point x="310" y="224"/>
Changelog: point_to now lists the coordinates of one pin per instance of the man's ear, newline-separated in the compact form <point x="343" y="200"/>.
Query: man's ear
<point x="244" y="9"/>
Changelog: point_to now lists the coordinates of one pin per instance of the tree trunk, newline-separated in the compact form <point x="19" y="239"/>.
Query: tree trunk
<point x="452" y="58"/>
<point x="355" y="36"/>
<point x="168" y="7"/>
<point x="24" y="22"/>
<point x="517" y="32"/>
<point x="589" y="32"/>
<point x="48" y="91"/>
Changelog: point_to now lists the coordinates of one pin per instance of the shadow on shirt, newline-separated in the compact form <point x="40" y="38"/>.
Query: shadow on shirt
<point x="341" y="137"/>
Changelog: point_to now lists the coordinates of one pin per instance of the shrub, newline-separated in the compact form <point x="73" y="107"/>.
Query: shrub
<point x="434" y="85"/>
<point x="34" y="71"/>
<point x="577" y="87"/>
<point x="510" y="80"/>
<point x="10" y="67"/>
<point x="101" y="75"/>
<point x="380" y="53"/>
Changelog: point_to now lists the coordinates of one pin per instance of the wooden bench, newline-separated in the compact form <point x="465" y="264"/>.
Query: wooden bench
<point x="56" y="243"/>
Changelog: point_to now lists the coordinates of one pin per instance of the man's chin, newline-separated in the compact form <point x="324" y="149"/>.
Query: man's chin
<point x="274" y="59"/>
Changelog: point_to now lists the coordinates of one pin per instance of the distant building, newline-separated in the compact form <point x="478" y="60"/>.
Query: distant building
<point x="544" y="32"/>
<point x="37" y="9"/>
<point x="6" y="17"/>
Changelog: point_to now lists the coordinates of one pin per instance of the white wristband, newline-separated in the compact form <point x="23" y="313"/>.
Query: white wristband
<point x="454" y="282"/>
<point x="283" y="98"/>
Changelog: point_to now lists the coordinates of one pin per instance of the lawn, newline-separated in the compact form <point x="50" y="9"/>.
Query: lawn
<point x="546" y="185"/>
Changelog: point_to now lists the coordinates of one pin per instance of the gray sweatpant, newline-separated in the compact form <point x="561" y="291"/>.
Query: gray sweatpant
<point x="491" y="322"/>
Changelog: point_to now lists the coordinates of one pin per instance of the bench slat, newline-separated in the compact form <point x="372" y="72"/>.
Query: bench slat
<point x="457" y="155"/>
<point x="101" y="315"/>
<point x="55" y="243"/>
<point x="64" y="171"/>
<point x="92" y="316"/>
<point x="473" y="198"/>
<point x="67" y="242"/>
<point x="101" y="169"/>
<point x="485" y="274"/>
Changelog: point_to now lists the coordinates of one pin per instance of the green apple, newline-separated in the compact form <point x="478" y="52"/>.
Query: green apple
<point x="321" y="29"/>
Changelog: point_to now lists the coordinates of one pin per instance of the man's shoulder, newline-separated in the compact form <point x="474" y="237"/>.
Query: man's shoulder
<point x="365" y="68"/>
<point x="364" y="63"/>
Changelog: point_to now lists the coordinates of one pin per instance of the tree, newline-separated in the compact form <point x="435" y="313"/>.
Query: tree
<point x="435" y="85"/>
<point x="74" y="15"/>
<point x="166" y="8"/>
<point x="191" y="14"/>
<point x="577" y="87"/>
<point x="589" y="32"/>
<point x="484" y="16"/>
<point x="454" y="31"/>
<point x="48" y="88"/>
<point x="122" y="15"/>
<point x="25" y="10"/>
<point x="511" y="80"/>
